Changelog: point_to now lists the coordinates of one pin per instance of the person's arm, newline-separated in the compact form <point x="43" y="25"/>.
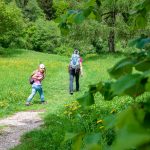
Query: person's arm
<point x="35" y="76"/>
<point x="81" y="67"/>
<point x="69" y="68"/>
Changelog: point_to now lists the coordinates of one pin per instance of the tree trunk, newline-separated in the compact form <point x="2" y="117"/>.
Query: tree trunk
<point x="111" y="41"/>
<point x="111" y="37"/>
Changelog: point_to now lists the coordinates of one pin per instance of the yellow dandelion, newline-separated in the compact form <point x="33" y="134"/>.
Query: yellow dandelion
<point x="113" y="111"/>
<point x="99" y="121"/>
<point x="101" y="127"/>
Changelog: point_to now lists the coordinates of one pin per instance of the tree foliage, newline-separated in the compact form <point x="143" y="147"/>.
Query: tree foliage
<point x="42" y="38"/>
<point x="131" y="77"/>
<point x="11" y="17"/>
<point x="11" y="24"/>
<point x="47" y="7"/>
<point x="32" y="11"/>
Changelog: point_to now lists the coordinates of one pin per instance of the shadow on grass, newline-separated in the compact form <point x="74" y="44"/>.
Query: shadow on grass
<point x="8" y="52"/>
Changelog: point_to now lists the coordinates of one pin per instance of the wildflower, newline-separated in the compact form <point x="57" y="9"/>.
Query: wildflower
<point x="101" y="127"/>
<point x="113" y="111"/>
<point x="99" y="121"/>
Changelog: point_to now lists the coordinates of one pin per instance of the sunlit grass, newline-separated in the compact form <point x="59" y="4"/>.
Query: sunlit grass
<point x="17" y="66"/>
<point x="15" y="71"/>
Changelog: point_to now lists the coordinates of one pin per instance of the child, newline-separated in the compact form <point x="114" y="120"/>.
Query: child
<point x="37" y="76"/>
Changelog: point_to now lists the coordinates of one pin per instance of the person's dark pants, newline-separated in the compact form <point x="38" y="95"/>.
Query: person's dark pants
<point x="74" y="73"/>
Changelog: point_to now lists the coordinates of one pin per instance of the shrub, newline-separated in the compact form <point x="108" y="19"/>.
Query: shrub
<point x="41" y="37"/>
<point x="64" y="50"/>
<point x="11" y="24"/>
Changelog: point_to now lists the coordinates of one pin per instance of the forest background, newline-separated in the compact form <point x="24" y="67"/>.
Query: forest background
<point x="34" y="25"/>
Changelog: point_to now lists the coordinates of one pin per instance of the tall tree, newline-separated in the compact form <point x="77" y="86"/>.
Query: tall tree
<point x="47" y="7"/>
<point x="33" y="11"/>
<point x="21" y="3"/>
<point x="105" y="11"/>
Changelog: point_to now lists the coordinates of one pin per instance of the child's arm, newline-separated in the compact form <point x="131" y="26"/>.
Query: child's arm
<point x="35" y="76"/>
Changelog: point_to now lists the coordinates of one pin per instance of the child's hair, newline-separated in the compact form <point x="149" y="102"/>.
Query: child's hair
<point x="43" y="67"/>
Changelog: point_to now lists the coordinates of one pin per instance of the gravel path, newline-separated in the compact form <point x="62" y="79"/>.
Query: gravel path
<point x="16" y="125"/>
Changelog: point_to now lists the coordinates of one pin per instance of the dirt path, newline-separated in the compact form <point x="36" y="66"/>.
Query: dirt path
<point x="16" y="125"/>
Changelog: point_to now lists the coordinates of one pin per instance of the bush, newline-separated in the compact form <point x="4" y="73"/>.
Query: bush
<point x="32" y="11"/>
<point x="11" y="24"/>
<point x="43" y="36"/>
<point x="83" y="47"/>
<point x="63" y="50"/>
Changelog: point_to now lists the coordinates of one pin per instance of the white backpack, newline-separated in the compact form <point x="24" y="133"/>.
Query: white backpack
<point x="75" y="61"/>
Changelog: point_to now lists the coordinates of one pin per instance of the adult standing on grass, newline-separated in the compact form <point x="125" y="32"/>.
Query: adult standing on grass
<point x="37" y="76"/>
<point x="75" y="70"/>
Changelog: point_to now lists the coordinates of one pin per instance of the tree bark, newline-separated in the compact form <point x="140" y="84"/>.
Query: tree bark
<point x="111" y="41"/>
<point x="111" y="37"/>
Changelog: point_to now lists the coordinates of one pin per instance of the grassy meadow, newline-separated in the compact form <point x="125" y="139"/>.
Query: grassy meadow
<point x="17" y="65"/>
<point x="62" y="110"/>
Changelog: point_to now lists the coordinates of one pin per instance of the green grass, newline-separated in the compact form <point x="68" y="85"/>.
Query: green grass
<point x="16" y="67"/>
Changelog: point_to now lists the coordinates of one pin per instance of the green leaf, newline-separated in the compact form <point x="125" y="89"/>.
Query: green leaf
<point x="129" y="129"/>
<point x="86" y="12"/>
<point x="123" y="67"/>
<point x="92" y="16"/>
<point x="72" y="12"/>
<point x="69" y="136"/>
<point x="110" y="121"/>
<point x="147" y="86"/>
<point x="93" y="88"/>
<point x="76" y="138"/>
<point x="87" y="99"/>
<point x="134" y="42"/>
<point x="142" y="43"/>
<point x="79" y="18"/>
<point x="132" y="139"/>
<point x="64" y="28"/>
<point x="143" y="65"/>
<point x="146" y="5"/>
<point x="135" y="90"/>
<point x="99" y="86"/>
<point x="90" y="3"/>
<point x="77" y="142"/>
<point x="106" y="91"/>
<point x="58" y="20"/>
<point x="140" y="21"/>
<point x="92" y="138"/>
<point x="125" y="82"/>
